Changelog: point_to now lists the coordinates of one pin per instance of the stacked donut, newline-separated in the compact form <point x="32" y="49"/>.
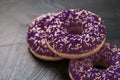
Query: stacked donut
<point x="78" y="35"/>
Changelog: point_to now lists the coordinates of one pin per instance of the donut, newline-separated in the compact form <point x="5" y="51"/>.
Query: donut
<point x="36" y="38"/>
<point x="75" y="33"/>
<point x="104" y="65"/>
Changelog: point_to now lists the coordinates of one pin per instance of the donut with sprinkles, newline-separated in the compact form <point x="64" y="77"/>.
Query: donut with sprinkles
<point x="90" y="68"/>
<point x="36" y="38"/>
<point x="75" y="33"/>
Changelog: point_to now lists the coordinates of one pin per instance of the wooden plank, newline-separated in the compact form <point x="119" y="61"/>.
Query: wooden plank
<point x="16" y="62"/>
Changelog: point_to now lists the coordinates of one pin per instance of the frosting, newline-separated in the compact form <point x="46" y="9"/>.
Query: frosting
<point x="91" y="25"/>
<point x="36" y="36"/>
<point x="82" y="69"/>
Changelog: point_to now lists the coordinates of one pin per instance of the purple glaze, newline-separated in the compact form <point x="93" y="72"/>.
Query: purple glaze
<point x="36" y="35"/>
<point x="93" y="31"/>
<point x="82" y="69"/>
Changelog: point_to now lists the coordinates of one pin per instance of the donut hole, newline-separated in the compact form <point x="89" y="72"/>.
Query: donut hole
<point x="75" y="30"/>
<point x="100" y="65"/>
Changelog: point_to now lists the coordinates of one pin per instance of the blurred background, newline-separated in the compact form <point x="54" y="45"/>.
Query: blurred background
<point x="16" y="62"/>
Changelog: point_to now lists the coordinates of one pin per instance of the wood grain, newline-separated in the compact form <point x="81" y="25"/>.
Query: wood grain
<point x="16" y="62"/>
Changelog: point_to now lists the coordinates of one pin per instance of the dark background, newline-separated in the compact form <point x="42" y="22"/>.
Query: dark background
<point x="16" y="62"/>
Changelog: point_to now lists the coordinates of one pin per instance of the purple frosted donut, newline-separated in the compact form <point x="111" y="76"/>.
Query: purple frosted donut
<point x="89" y="68"/>
<point x="75" y="33"/>
<point x="36" y="38"/>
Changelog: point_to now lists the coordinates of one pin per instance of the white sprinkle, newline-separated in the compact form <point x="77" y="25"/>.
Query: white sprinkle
<point x="118" y="73"/>
<point x="69" y="45"/>
<point x="38" y="48"/>
<point x="37" y="34"/>
<point x="111" y="71"/>
<point x="38" y="41"/>
<point x="31" y="38"/>
<point x="43" y="41"/>
<point x="35" y="41"/>
<point x="33" y="28"/>
<point x="87" y="35"/>
<point x="118" y="52"/>
<point x="117" y="62"/>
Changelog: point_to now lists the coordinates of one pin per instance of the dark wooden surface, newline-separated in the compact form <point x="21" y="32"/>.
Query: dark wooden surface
<point x="16" y="62"/>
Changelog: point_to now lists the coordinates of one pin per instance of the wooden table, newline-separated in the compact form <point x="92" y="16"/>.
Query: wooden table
<point x="16" y="62"/>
